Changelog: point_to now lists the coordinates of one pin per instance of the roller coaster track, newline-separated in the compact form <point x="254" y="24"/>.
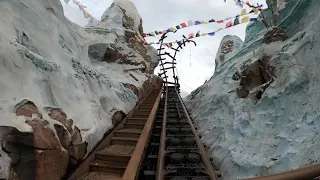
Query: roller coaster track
<point x="158" y="141"/>
<point x="166" y="64"/>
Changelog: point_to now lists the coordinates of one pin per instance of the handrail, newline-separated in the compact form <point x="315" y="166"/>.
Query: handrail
<point x="306" y="173"/>
<point x="203" y="152"/>
<point x="132" y="169"/>
<point x="161" y="160"/>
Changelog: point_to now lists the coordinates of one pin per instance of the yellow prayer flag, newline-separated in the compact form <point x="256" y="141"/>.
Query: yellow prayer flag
<point x="173" y="29"/>
<point x="204" y="22"/>
<point x="153" y="34"/>
<point x="256" y="11"/>
<point x="204" y="34"/>
<point x="86" y="15"/>
<point x="243" y="12"/>
<point x="245" y="19"/>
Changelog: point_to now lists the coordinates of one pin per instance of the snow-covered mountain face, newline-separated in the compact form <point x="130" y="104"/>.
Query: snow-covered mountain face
<point x="228" y="47"/>
<point x="62" y="86"/>
<point x="259" y="114"/>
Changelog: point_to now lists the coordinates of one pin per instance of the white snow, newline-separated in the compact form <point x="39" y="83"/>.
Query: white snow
<point x="44" y="58"/>
<point x="281" y="131"/>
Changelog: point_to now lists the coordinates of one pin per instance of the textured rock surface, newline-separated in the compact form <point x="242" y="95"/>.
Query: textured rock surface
<point x="228" y="47"/>
<point x="61" y="84"/>
<point x="279" y="131"/>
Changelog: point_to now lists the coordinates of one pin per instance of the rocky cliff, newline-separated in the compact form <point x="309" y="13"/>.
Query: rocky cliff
<point x="259" y="114"/>
<point x="63" y="86"/>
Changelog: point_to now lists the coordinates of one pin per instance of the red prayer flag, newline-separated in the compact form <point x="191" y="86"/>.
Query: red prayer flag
<point x="183" y="25"/>
<point x="145" y="43"/>
<point x="220" y="21"/>
<point x="135" y="38"/>
<point x="229" y="24"/>
<point x="247" y="3"/>
<point x="144" y="35"/>
<point x="191" y="35"/>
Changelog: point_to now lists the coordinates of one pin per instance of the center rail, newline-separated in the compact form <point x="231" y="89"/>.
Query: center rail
<point x="175" y="151"/>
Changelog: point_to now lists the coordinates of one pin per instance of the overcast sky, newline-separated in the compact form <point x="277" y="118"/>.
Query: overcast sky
<point x="195" y="64"/>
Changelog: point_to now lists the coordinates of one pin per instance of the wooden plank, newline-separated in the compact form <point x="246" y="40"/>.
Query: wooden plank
<point x="83" y="168"/>
<point x="136" y="159"/>
<point x="304" y="173"/>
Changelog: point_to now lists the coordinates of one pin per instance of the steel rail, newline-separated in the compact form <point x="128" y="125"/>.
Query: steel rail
<point x="132" y="170"/>
<point x="307" y="173"/>
<point x="161" y="155"/>
<point x="205" y="159"/>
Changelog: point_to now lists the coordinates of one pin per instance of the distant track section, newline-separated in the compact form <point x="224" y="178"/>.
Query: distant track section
<point x="174" y="151"/>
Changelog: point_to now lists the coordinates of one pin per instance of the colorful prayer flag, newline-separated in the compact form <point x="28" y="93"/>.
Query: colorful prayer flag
<point x="170" y="44"/>
<point x="153" y="34"/>
<point x="220" y="21"/>
<point x="212" y="33"/>
<point x="245" y="19"/>
<point x="191" y="35"/>
<point x="157" y="33"/>
<point x="179" y="43"/>
<point x="247" y="3"/>
<point x="80" y="6"/>
<point x="190" y="23"/>
<point x="212" y="20"/>
<point x="243" y="12"/>
<point x="198" y="34"/>
<point x="178" y="27"/>
<point x="86" y="15"/>
<point x="204" y="22"/>
<point x="173" y="29"/>
<point x="255" y="10"/>
<point x="236" y="21"/>
<point x="197" y="22"/>
<point x="253" y="19"/>
<point x="183" y="25"/>
<point x="204" y="34"/>
<point x="239" y="3"/>
<point x="229" y="24"/>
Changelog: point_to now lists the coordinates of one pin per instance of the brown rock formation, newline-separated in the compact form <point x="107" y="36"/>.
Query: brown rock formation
<point x="276" y="34"/>
<point x="257" y="76"/>
<point x="35" y="155"/>
<point x="117" y="117"/>
<point x="59" y="115"/>
<point x="27" y="108"/>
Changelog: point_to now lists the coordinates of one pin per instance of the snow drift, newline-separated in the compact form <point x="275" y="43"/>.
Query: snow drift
<point x="63" y="86"/>
<point x="259" y="114"/>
